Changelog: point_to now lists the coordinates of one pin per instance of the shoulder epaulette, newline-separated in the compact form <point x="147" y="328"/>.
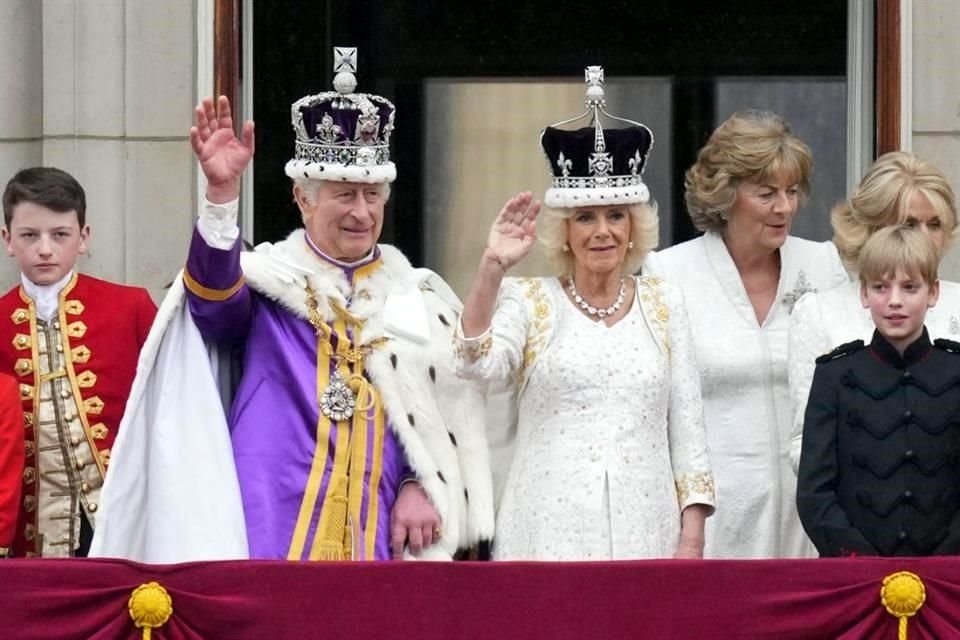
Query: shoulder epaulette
<point x="947" y="345"/>
<point x="843" y="350"/>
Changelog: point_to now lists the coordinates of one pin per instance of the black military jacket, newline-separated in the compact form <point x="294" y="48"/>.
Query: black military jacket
<point x="880" y="463"/>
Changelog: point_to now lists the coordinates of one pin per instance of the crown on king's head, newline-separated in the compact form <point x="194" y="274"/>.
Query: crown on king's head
<point x="593" y="166"/>
<point x="341" y="135"/>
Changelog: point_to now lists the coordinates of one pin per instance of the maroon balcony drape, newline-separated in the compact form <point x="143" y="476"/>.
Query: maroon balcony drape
<point x="728" y="600"/>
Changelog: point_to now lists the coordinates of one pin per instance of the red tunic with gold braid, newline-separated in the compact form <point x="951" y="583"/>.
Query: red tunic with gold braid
<point x="74" y="374"/>
<point x="11" y="460"/>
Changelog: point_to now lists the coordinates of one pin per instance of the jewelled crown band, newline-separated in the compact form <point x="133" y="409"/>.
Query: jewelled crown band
<point x="341" y="135"/>
<point x="593" y="166"/>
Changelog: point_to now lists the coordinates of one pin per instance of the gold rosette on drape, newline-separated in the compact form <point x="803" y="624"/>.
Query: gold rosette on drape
<point x="150" y="607"/>
<point x="902" y="595"/>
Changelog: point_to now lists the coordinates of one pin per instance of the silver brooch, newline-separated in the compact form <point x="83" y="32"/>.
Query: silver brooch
<point x="337" y="400"/>
<point x="801" y="287"/>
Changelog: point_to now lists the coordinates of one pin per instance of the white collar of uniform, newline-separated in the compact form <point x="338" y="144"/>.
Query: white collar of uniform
<point x="46" y="297"/>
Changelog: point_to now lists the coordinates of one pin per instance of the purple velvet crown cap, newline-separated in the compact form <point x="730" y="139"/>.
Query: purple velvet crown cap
<point x="584" y="176"/>
<point x="593" y="165"/>
<point x="341" y="135"/>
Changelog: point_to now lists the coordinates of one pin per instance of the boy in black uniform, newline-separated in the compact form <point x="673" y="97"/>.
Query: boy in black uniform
<point x="880" y="463"/>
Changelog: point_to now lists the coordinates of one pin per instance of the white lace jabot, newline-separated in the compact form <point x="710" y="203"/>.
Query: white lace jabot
<point x="46" y="297"/>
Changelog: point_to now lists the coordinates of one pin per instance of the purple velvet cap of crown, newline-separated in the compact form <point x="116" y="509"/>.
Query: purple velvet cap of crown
<point x="584" y="175"/>
<point x="342" y="137"/>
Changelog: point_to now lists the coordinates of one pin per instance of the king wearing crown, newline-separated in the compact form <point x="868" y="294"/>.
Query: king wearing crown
<point x="347" y="437"/>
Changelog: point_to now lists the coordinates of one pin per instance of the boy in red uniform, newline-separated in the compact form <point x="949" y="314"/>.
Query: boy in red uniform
<point x="72" y="342"/>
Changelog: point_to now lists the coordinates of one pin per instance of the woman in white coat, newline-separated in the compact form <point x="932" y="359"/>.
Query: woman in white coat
<point x="610" y="456"/>
<point x="740" y="280"/>
<point x="899" y="188"/>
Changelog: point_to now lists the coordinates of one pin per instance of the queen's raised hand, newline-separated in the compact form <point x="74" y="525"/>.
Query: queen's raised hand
<point x="514" y="230"/>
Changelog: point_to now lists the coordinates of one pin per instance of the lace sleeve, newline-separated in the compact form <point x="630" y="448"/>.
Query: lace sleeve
<point x="497" y="352"/>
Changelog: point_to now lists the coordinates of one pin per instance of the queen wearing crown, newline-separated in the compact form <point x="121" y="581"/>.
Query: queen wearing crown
<point x="609" y="459"/>
<point x="348" y="436"/>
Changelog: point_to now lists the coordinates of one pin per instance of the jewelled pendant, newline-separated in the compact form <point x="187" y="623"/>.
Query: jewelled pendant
<point x="337" y="400"/>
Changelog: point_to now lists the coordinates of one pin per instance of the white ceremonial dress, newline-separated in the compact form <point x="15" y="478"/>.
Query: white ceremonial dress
<point x="610" y="444"/>
<point x="743" y="375"/>
<point x="825" y="320"/>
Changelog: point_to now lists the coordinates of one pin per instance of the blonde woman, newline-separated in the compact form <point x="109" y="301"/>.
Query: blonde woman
<point x="610" y="457"/>
<point x="740" y="280"/>
<point x="899" y="188"/>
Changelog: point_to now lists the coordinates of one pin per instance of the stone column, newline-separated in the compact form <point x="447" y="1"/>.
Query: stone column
<point x="935" y="131"/>
<point x="104" y="89"/>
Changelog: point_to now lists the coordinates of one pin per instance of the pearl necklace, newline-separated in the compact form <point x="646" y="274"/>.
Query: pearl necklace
<point x="593" y="311"/>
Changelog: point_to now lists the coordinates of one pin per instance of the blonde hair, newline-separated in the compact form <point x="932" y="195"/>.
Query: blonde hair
<point x="552" y="232"/>
<point x="882" y="199"/>
<point x="898" y="248"/>
<point x="750" y="145"/>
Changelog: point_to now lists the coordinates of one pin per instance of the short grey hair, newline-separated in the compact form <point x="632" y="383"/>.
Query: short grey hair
<point x="311" y="186"/>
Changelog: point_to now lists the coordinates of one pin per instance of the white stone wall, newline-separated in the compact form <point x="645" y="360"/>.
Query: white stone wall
<point x="104" y="89"/>
<point x="935" y="95"/>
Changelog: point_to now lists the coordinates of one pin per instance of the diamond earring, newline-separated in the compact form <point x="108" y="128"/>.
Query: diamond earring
<point x="566" y="247"/>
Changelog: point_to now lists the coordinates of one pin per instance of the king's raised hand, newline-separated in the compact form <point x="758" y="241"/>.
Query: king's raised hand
<point x="514" y="230"/>
<point x="223" y="157"/>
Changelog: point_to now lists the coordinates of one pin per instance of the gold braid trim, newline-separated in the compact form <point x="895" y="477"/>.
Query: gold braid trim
<point x="214" y="295"/>
<point x="337" y="536"/>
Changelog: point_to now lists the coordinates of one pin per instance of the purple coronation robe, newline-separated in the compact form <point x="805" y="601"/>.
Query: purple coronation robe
<point x="285" y="450"/>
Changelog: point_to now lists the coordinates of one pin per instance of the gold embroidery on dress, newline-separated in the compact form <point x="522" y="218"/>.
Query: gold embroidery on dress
<point x="20" y="316"/>
<point x="651" y="293"/>
<point x="472" y="351"/>
<point x="538" y="327"/>
<point x="695" y="484"/>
